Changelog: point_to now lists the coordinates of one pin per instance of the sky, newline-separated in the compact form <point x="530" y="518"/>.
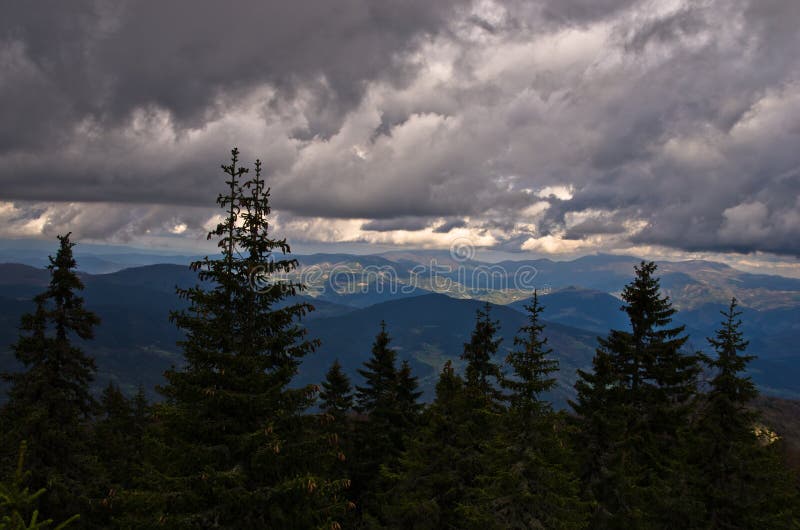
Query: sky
<point x="665" y="129"/>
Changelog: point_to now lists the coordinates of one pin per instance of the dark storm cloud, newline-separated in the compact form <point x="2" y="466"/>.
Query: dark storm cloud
<point x="448" y="226"/>
<point x="672" y="125"/>
<point x="595" y="226"/>
<point x="670" y="28"/>
<point x="66" y="61"/>
<point x="403" y="223"/>
<point x="583" y="11"/>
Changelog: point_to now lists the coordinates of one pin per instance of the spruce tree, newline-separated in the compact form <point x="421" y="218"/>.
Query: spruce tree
<point x="731" y="390"/>
<point x="376" y="396"/>
<point x="532" y="364"/>
<point x="741" y="479"/>
<point x="446" y="478"/>
<point x="483" y="373"/>
<point x="50" y="404"/>
<point x="601" y="416"/>
<point x="435" y="484"/>
<point x="532" y="481"/>
<point x="336" y="402"/>
<point x="116" y="440"/>
<point x="380" y="430"/>
<point x="336" y="394"/>
<point x="407" y="396"/>
<point x="235" y="450"/>
<point x="634" y="415"/>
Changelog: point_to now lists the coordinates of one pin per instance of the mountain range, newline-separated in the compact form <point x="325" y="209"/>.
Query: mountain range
<point x="428" y="300"/>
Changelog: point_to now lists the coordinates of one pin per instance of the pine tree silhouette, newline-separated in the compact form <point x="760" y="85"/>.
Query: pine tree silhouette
<point x="741" y="479"/>
<point x="50" y="404"/>
<point x="482" y="372"/>
<point x="337" y="394"/>
<point x="532" y="364"/>
<point x="236" y="449"/>
<point x="634" y="414"/>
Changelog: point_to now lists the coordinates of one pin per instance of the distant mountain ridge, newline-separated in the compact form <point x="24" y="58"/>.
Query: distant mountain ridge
<point x="431" y="329"/>
<point x="690" y="283"/>
<point x="136" y="341"/>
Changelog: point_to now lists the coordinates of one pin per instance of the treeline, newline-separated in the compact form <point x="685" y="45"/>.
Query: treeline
<point x="658" y="436"/>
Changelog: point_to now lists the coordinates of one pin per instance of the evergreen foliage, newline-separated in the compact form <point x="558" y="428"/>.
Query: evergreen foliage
<point x="337" y="393"/>
<point x="375" y="397"/>
<point x="388" y="402"/>
<point x="741" y="479"/>
<point x="235" y="451"/>
<point x="17" y="501"/>
<point x="118" y="437"/>
<point x="533" y="477"/>
<point x="234" y="445"/>
<point x="532" y="365"/>
<point x="407" y="397"/>
<point x="634" y="416"/>
<point x="445" y="477"/>
<point x="483" y="373"/>
<point x="50" y="405"/>
<point x="439" y="479"/>
<point x="336" y="403"/>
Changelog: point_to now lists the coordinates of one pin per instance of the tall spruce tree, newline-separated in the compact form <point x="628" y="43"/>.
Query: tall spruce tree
<point x="336" y="401"/>
<point x="532" y="477"/>
<point x="50" y="404"/>
<point x="379" y="433"/>
<point x="634" y="415"/>
<point x="532" y="364"/>
<point x="376" y="396"/>
<point x="233" y="434"/>
<point x="742" y="480"/>
<point x="483" y="373"/>
<point x="446" y="476"/>
<point x="601" y="416"/>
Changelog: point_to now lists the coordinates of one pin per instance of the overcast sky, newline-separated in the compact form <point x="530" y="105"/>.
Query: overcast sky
<point x="553" y="127"/>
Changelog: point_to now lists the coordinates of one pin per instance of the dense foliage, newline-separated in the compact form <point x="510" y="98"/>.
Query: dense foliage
<point x="659" y="436"/>
<point x="50" y="406"/>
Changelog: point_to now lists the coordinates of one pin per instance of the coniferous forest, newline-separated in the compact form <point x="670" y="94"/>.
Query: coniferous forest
<point x="659" y="435"/>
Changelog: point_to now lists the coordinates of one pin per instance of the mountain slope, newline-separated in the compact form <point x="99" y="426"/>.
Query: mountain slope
<point x="428" y="330"/>
<point x="580" y="308"/>
<point x="136" y="342"/>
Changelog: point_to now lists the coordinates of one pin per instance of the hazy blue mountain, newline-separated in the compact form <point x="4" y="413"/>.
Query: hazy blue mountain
<point x="19" y="274"/>
<point x="365" y="280"/>
<point x="91" y="258"/>
<point x="581" y="308"/>
<point x="428" y="330"/>
<point x="601" y="272"/>
<point x="161" y="277"/>
<point x="136" y="341"/>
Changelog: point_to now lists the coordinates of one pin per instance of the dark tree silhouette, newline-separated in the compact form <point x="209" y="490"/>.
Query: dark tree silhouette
<point x="235" y="445"/>
<point x="50" y="404"/>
